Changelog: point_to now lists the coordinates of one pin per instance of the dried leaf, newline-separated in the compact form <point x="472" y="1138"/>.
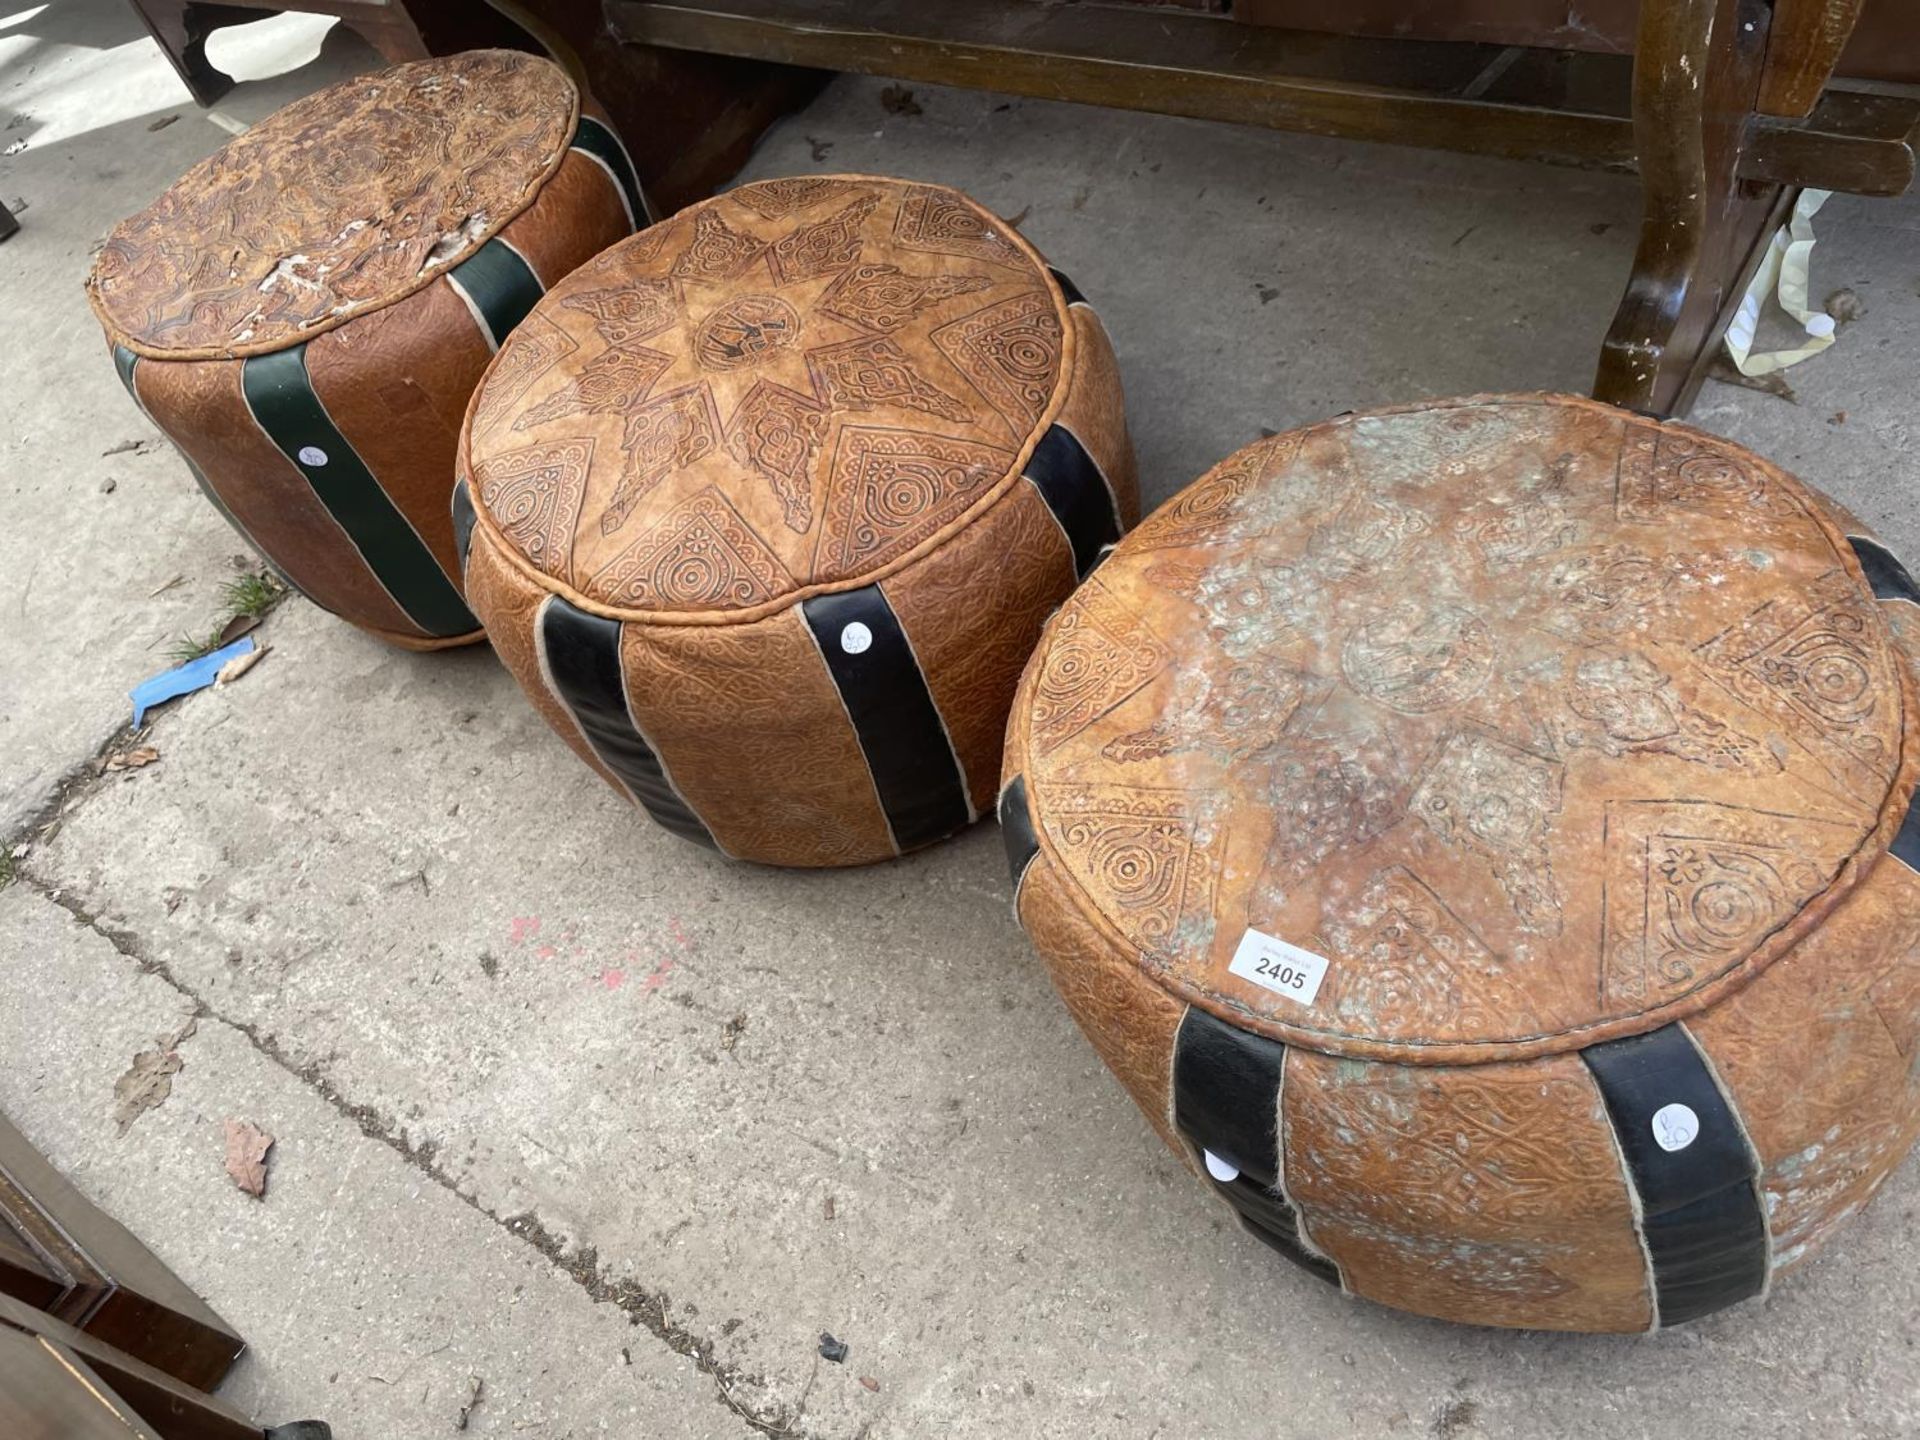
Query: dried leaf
<point x="149" y="1079"/>
<point x="236" y="627"/>
<point x="898" y="100"/>
<point x="134" y="759"/>
<point x="870" y="1382"/>
<point x="240" y="664"/>
<point x="247" y="1147"/>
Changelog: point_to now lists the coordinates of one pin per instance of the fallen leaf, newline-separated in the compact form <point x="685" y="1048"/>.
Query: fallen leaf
<point x="1844" y="306"/>
<point x="869" y="1382"/>
<point x="826" y="1208"/>
<point x="133" y="759"/>
<point x="236" y="627"/>
<point x="240" y="664"/>
<point x="247" y="1147"/>
<point x="149" y="1079"/>
<point x="898" y="100"/>
<point x="128" y="447"/>
<point x="1775" y="384"/>
<point x="162" y="122"/>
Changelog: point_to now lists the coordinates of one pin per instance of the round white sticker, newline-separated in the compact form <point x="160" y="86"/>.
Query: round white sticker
<point x="1674" y="1127"/>
<point x="856" y="639"/>
<point x="1219" y="1169"/>
<point x="312" y="455"/>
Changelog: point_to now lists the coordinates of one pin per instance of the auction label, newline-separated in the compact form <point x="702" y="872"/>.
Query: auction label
<point x="1273" y="964"/>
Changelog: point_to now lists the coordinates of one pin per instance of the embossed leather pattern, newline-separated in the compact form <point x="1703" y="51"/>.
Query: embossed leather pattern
<point x="319" y="399"/>
<point x="793" y="385"/>
<point x="829" y="450"/>
<point x="1547" y="726"/>
<point x="344" y="201"/>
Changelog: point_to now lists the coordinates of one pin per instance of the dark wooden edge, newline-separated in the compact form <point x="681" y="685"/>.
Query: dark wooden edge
<point x="1424" y="93"/>
<point x="122" y="1293"/>
<point x="1697" y="72"/>
<point x="174" y="1410"/>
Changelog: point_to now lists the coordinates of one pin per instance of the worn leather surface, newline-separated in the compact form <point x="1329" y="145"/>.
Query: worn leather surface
<point x="397" y="382"/>
<point x="1542" y="722"/>
<point x="972" y="653"/>
<point x="796" y="385"/>
<point x="199" y="405"/>
<point x="344" y="201"/>
<point x="1095" y="410"/>
<point x="1130" y="1020"/>
<point x="802" y="387"/>
<point x="394" y="376"/>
<point x="498" y="589"/>
<point x="572" y="222"/>
<point x="1842" y="1012"/>
<point x="1188" y="719"/>
<point x="749" y="726"/>
<point x="1485" y="1193"/>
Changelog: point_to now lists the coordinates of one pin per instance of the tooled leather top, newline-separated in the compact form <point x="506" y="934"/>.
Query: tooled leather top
<point x="1536" y="720"/>
<point x="797" y="384"/>
<point x="344" y="201"/>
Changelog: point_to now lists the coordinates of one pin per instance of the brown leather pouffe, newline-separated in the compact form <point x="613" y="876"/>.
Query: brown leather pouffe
<point x="306" y="313"/>
<point x="769" y="504"/>
<point x="1479" y="837"/>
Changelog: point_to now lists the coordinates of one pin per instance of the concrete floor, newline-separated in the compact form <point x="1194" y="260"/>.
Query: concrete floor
<point x="494" y="1019"/>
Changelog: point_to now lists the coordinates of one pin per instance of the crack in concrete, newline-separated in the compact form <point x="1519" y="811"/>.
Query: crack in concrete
<point x="642" y="1307"/>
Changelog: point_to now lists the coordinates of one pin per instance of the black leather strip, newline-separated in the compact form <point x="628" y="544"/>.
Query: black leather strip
<point x="921" y="786"/>
<point x="1906" y="844"/>
<point x="1071" y="484"/>
<point x="583" y="657"/>
<point x="284" y="405"/>
<point x="1889" y="578"/>
<point x="600" y="144"/>
<point x="1067" y="287"/>
<point x="463" y="520"/>
<point x="500" y="286"/>
<point x="1226" y="1102"/>
<point x="1700" y="1204"/>
<point x="1016" y="829"/>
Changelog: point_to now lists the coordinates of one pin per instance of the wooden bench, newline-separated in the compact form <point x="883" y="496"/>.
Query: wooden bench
<point x="1723" y="107"/>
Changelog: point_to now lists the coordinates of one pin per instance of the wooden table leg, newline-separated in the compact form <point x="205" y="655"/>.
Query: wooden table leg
<point x="180" y="28"/>
<point x="1697" y="69"/>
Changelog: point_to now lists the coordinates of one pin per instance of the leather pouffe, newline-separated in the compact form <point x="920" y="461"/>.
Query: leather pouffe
<point x="306" y="313"/>
<point x="1478" y="835"/>
<point x="768" y="505"/>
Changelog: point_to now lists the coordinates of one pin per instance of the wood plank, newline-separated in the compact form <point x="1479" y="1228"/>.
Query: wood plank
<point x="45" y="1395"/>
<point x="1173" y="63"/>
<point x="175" y="1411"/>
<point x="1551" y="106"/>
<point x="1806" y="40"/>
<point x="1854" y="142"/>
<point x="116" y="1290"/>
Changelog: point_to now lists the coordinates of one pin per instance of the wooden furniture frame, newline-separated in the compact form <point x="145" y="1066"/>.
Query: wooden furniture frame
<point x="181" y="28"/>
<point x="61" y="1255"/>
<point x="1723" y="109"/>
